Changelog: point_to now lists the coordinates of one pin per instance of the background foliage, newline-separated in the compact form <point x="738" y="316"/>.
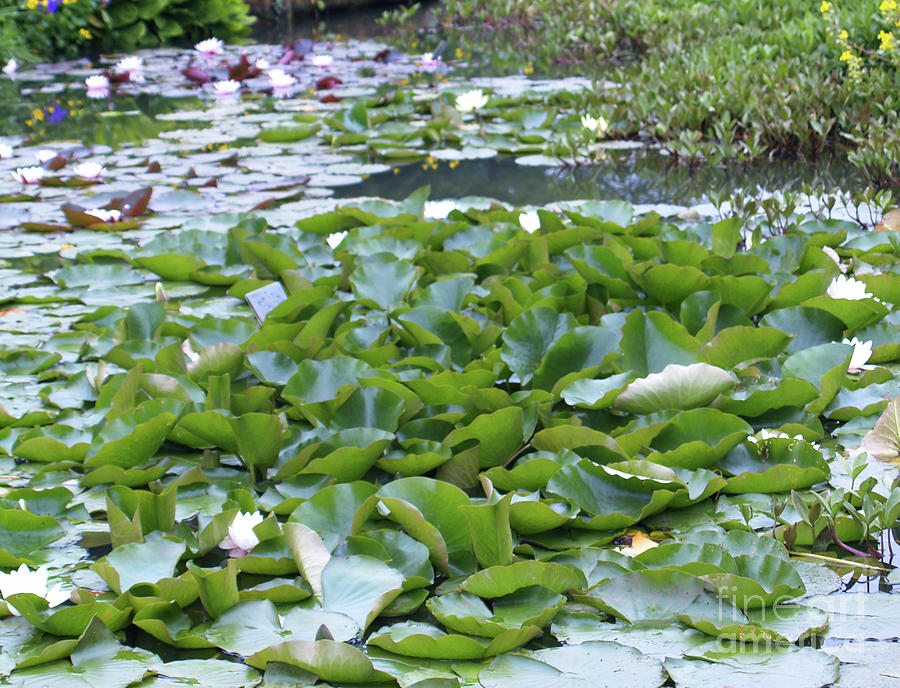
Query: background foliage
<point x="76" y="26"/>
<point x="735" y="79"/>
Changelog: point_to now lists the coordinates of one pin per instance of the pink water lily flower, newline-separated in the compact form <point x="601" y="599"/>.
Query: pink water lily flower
<point x="6" y="151"/>
<point x="28" y="175"/>
<point x="322" y="60"/>
<point x="428" y="62"/>
<point x="241" y="538"/>
<point x="211" y="47"/>
<point x="35" y="582"/>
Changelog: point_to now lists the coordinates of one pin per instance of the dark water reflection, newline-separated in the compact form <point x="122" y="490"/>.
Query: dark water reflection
<point x="637" y="177"/>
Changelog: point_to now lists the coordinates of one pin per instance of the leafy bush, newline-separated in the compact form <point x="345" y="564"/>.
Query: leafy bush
<point x="44" y="28"/>
<point x="729" y="80"/>
<point x="125" y="25"/>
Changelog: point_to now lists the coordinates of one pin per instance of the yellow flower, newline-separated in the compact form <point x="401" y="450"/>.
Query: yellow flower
<point x="825" y="7"/>
<point x="85" y="33"/>
<point x="843" y="35"/>
<point x="846" y="56"/>
<point x="887" y="40"/>
<point x="31" y="4"/>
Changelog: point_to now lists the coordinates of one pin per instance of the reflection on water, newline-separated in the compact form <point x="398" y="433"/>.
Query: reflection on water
<point x="70" y="116"/>
<point x="637" y="177"/>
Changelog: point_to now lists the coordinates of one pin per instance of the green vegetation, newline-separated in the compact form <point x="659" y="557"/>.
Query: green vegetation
<point x="730" y="80"/>
<point x="47" y="29"/>
<point x="443" y="433"/>
<point x="127" y="25"/>
<point x="31" y="29"/>
<point x="472" y="444"/>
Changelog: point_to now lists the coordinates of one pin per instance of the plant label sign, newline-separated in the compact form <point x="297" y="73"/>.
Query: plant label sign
<point x="265" y="299"/>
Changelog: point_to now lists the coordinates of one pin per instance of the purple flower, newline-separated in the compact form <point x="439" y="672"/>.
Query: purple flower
<point x="55" y="114"/>
<point x="53" y="5"/>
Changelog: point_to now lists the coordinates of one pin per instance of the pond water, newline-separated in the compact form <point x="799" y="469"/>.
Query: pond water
<point x="174" y="119"/>
<point x="643" y="177"/>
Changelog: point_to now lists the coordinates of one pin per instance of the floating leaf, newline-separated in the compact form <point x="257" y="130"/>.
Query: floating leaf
<point x="598" y="664"/>
<point x="675" y="387"/>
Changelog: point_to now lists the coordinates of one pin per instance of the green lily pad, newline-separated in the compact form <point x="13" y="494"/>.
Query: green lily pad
<point x="675" y="387"/>
<point x="415" y="639"/>
<point x="594" y="663"/>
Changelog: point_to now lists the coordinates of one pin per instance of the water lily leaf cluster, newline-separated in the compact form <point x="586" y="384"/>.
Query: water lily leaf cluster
<point x="441" y="433"/>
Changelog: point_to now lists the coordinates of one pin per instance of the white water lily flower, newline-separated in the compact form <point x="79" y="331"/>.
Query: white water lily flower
<point x="335" y="238"/>
<point x="6" y="151"/>
<point x="438" y="210"/>
<point x="862" y="351"/>
<point x="189" y="351"/>
<point x="35" y="582"/>
<point x="89" y="170"/>
<point x="831" y="253"/>
<point x="45" y="154"/>
<point x="282" y="83"/>
<point x="211" y="47"/>
<point x="133" y="66"/>
<point x="471" y="100"/>
<point x="766" y="434"/>
<point x="598" y="125"/>
<point x="105" y="215"/>
<point x="29" y="175"/>
<point x="241" y="538"/>
<point x="322" y="60"/>
<point x="530" y="221"/>
<point x="843" y="287"/>
<point x="262" y="64"/>
<point x="130" y="63"/>
<point x="11" y="67"/>
<point x="97" y="86"/>
<point x="227" y="87"/>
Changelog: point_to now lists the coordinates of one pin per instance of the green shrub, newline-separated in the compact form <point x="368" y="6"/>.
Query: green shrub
<point x="124" y="25"/>
<point x="34" y="29"/>
<point x="735" y="79"/>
